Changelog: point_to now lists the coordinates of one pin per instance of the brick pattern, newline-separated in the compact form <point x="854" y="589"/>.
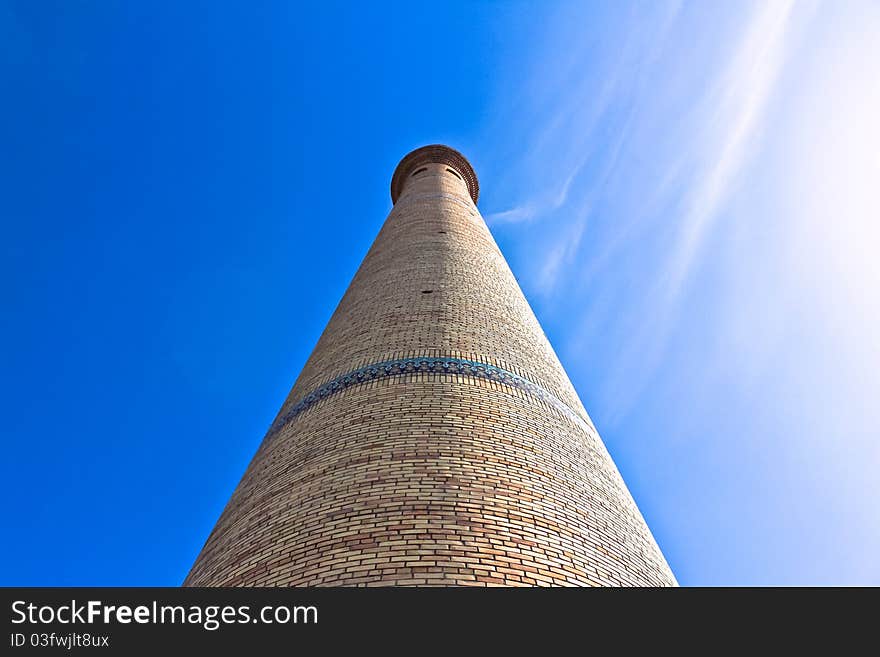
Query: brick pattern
<point x="432" y="478"/>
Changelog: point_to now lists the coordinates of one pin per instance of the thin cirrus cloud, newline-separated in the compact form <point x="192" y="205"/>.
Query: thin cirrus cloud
<point x="722" y="135"/>
<point x="584" y="106"/>
<point x="535" y="209"/>
<point x="640" y="156"/>
<point x="736" y="113"/>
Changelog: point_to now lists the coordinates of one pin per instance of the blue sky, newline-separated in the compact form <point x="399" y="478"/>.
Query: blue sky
<point x="686" y="191"/>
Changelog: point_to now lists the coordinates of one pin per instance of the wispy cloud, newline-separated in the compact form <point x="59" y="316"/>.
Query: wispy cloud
<point x="537" y="208"/>
<point x="516" y="214"/>
<point x="605" y="133"/>
<point x="577" y="147"/>
<point x="736" y="113"/>
<point x="714" y="148"/>
<point x="560" y="255"/>
<point x="562" y="143"/>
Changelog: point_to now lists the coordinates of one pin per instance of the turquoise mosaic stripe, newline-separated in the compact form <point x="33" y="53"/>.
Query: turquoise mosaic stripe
<point x="436" y="365"/>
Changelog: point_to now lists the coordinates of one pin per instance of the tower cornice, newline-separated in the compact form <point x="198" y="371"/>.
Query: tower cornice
<point x="434" y="154"/>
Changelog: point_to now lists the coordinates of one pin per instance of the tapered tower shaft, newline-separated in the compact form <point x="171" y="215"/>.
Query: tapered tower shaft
<point x="432" y="437"/>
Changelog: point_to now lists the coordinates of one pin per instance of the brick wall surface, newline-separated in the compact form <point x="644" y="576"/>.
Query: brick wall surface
<point x="432" y="475"/>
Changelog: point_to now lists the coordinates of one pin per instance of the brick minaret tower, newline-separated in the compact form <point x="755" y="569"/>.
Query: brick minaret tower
<point x="433" y="436"/>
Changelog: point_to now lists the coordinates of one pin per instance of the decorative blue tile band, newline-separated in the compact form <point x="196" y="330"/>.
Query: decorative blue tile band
<point x="436" y="365"/>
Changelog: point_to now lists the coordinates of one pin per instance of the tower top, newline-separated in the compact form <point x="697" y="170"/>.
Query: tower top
<point x="434" y="154"/>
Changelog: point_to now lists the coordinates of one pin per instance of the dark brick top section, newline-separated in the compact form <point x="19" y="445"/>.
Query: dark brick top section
<point x="434" y="154"/>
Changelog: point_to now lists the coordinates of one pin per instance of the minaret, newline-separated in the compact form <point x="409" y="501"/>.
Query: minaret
<point x="433" y="437"/>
